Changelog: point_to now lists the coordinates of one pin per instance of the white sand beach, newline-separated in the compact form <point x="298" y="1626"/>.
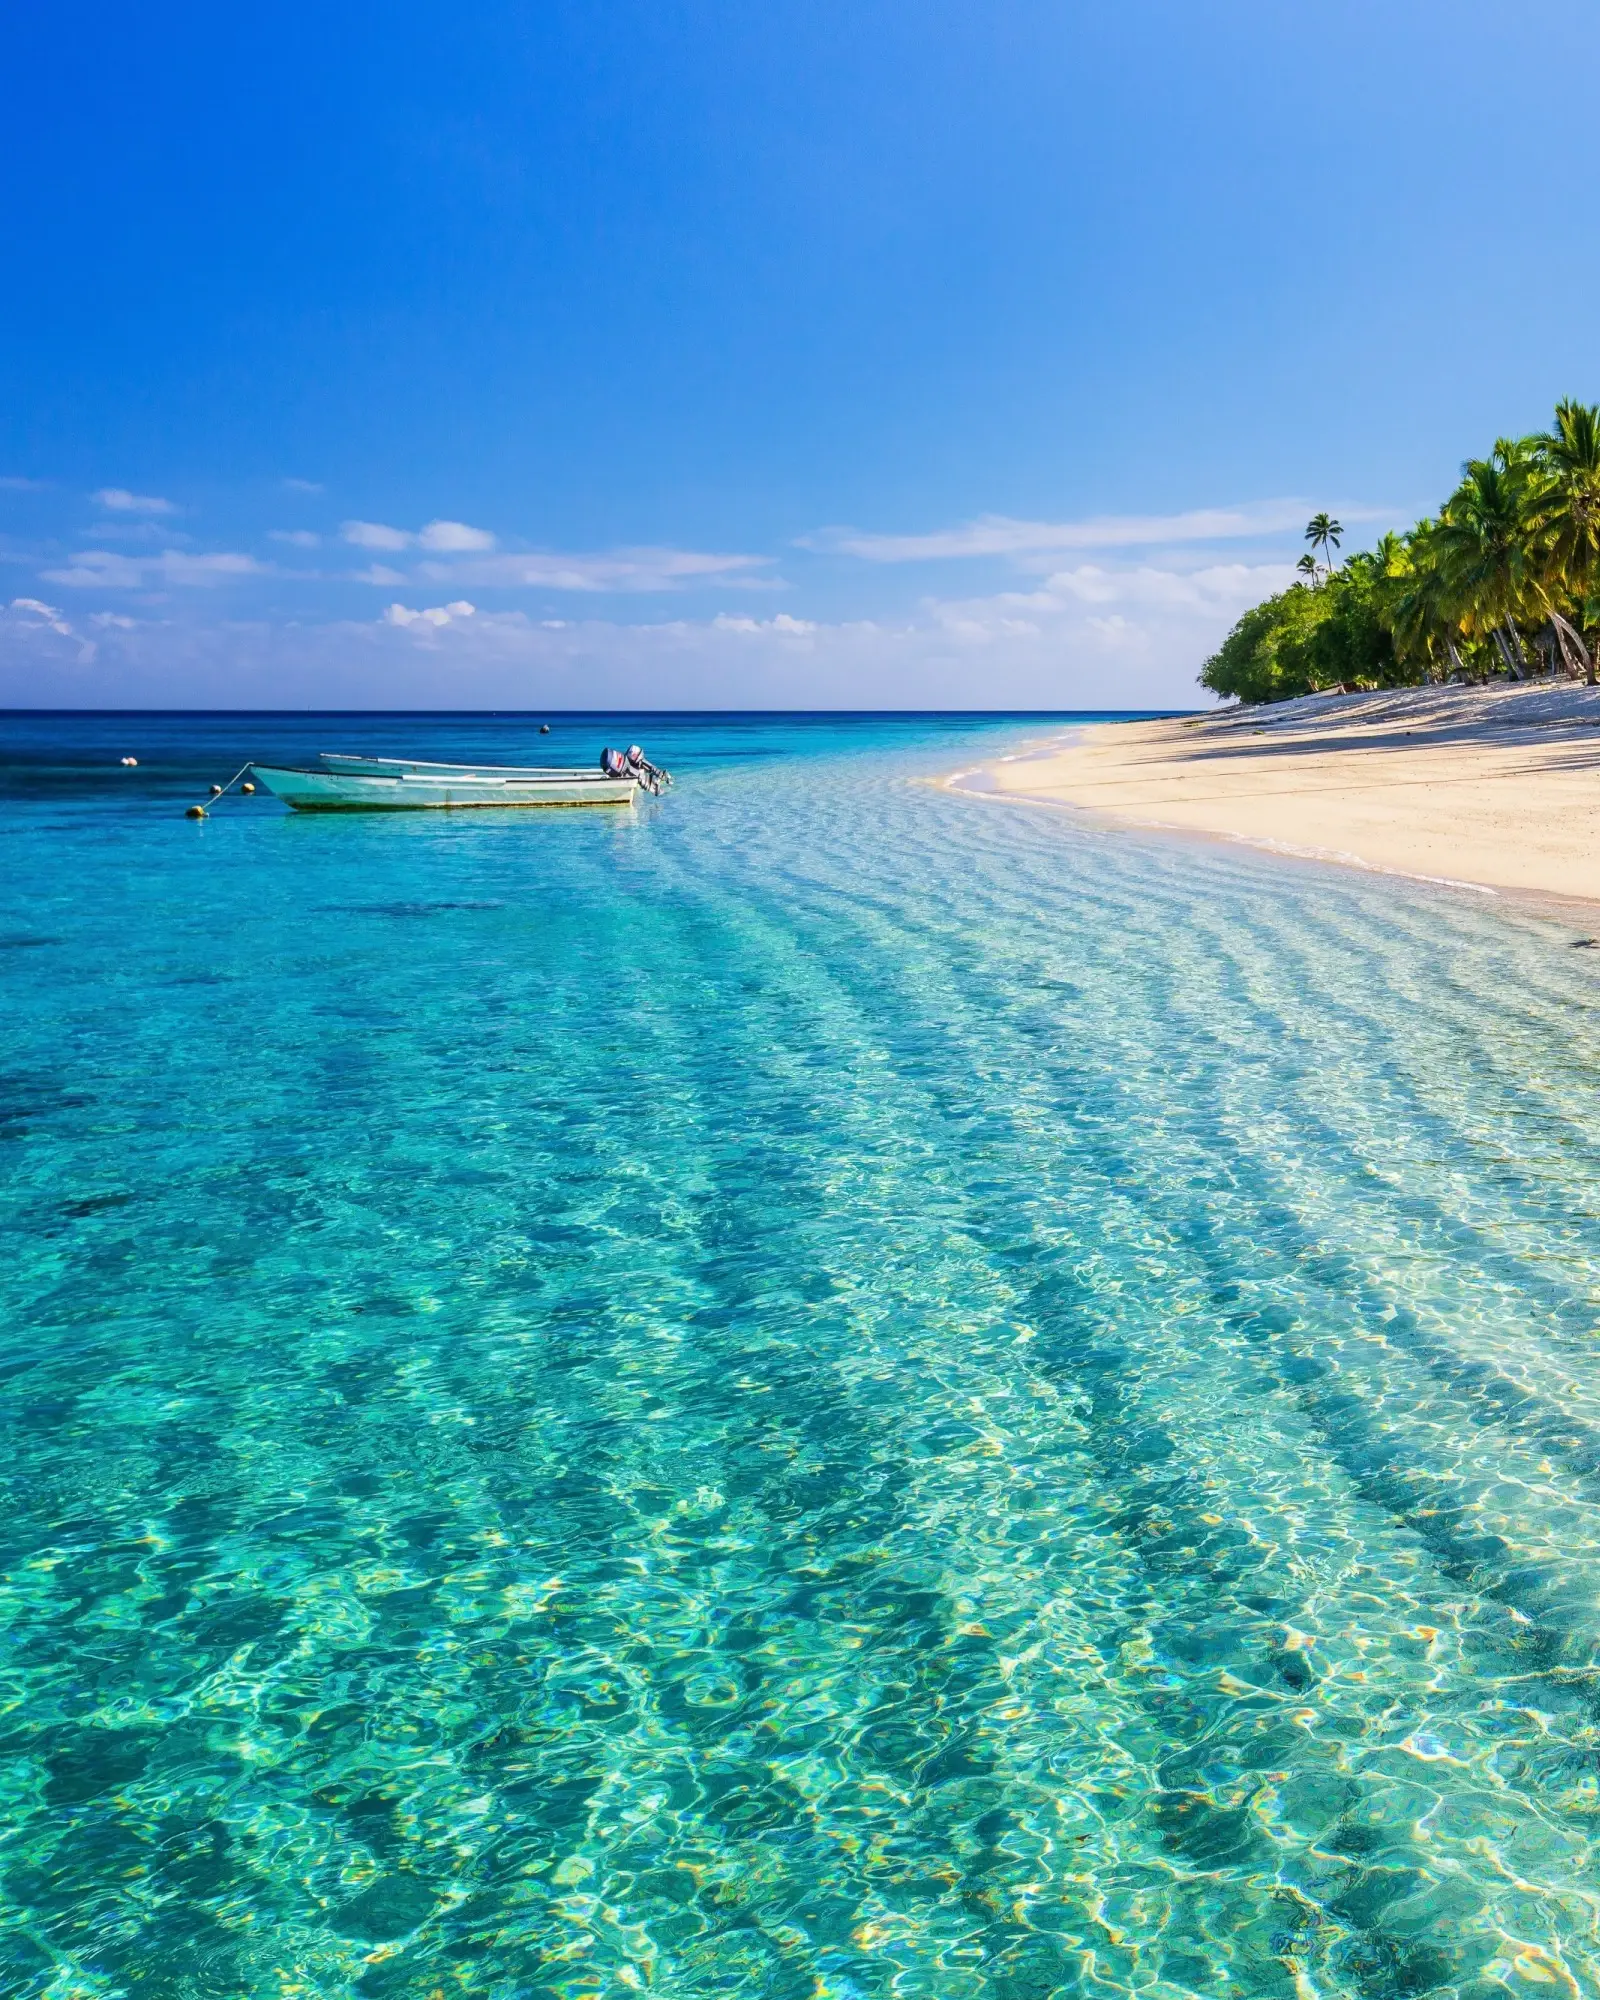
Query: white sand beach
<point x="1495" y="787"/>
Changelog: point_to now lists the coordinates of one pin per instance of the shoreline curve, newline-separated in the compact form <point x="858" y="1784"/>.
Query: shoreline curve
<point x="1489" y="790"/>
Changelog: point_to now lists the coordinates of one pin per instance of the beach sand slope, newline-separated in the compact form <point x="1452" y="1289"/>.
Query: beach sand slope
<point x="1496" y="787"/>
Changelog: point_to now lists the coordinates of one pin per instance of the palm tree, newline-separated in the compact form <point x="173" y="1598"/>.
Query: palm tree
<point x="1569" y="457"/>
<point x="1325" y="533"/>
<point x="1307" y="566"/>
<point x="1487" y="550"/>
<point x="1390" y="557"/>
<point x="1415" y="602"/>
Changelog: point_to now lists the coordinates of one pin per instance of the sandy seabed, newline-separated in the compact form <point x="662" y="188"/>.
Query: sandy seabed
<point x="1490" y="788"/>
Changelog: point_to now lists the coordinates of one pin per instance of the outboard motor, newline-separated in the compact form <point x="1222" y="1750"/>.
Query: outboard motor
<point x="633" y="763"/>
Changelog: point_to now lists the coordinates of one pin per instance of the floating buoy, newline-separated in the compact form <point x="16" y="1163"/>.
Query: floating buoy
<point x="194" y="812"/>
<point x="544" y="730"/>
<point x="216" y="791"/>
<point x="130" y="763"/>
<point x="247" y="788"/>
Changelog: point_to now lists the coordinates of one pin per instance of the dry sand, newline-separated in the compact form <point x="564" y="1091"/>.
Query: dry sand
<point x="1494" y="787"/>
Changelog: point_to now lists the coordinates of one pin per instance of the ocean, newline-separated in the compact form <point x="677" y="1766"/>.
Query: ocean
<point x="821" y="1389"/>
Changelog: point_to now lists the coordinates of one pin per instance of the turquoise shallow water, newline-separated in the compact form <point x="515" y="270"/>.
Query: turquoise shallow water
<point x="823" y="1389"/>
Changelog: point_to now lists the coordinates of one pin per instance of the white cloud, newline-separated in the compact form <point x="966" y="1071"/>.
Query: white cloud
<point x="302" y="486"/>
<point x="104" y="569"/>
<point x="795" y="627"/>
<point x="34" y="609"/>
<point x="443" y="537"/>
<point x="175" y="566"/>
<point x="14" y="483"/>
<point x="374" y="535"/>
<point x="120" y="501"/>
<point x="99" y="568"/>
<point x="436" y="616"/>
<point x="999" y="535"/>
<point x="297" y="538"/>
<point x="376" y="573"/>
<point x="1160" y="604"/>
<point x="454" y="537"/>
<point x="474" y="561"/>
<point x="35" y="639"/>
<point x="617" y="570"/>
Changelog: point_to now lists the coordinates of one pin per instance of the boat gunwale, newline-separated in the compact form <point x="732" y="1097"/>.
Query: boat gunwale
<point x="420" y="766"/>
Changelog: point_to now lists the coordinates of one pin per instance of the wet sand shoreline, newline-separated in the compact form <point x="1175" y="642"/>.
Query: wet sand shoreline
<point x="1491" y="789"/>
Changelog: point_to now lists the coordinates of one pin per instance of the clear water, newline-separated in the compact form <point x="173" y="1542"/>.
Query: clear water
<point x="822" y="1390"/>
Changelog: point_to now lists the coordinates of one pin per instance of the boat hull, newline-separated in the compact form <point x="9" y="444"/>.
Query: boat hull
<point x="412" y="791"/>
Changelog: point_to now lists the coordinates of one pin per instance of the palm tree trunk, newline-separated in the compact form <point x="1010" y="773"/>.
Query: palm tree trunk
<point x="1572" y="642"/>
<point x="1513" y="651"/>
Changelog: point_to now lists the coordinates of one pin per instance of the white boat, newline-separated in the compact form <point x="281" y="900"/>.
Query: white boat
<point x="390" y="785"/>
<point x="629" y="763"/>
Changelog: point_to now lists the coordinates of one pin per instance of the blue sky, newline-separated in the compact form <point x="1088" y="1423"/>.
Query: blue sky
<point x="746" y="355"/>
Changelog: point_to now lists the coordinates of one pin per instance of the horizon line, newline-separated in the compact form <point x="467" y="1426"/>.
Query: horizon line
<point x="534" y="714"/>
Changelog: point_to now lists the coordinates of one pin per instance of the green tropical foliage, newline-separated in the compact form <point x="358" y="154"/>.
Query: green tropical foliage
<point x="1505" y="580"/>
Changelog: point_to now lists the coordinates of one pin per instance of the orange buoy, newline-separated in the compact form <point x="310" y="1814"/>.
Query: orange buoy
<point x="195" y="812"/>
<point x="247" y="788"/>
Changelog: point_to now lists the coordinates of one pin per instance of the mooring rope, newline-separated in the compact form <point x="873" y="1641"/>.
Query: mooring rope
<point x="199" y="812"/>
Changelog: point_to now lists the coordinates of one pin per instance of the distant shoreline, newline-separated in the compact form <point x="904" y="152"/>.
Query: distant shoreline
<point x="1489" y="789"/>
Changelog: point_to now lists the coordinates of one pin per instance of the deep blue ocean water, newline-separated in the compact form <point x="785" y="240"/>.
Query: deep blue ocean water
<point x="821" y="1389"/>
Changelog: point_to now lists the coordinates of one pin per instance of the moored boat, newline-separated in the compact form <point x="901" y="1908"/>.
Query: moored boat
<point x="347" y="782"/>
<point x="411" y="791"/>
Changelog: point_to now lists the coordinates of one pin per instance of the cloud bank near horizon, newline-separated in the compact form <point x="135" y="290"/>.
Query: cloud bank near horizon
<point x="1089" y="636"/>
<point x="1109" y="611"/>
